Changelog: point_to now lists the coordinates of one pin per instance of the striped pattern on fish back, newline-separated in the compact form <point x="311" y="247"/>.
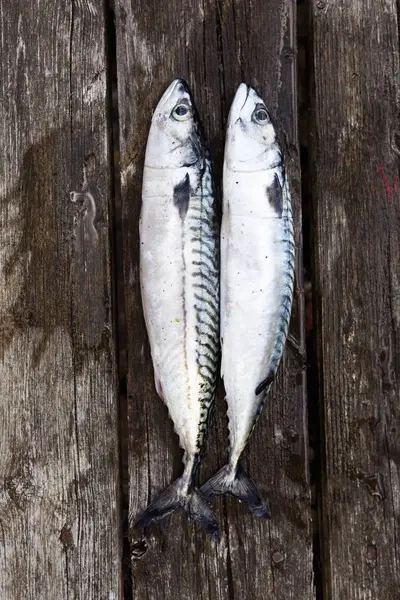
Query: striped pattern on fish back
<point x="205" y="282"/>
<point x="287" y="241"/>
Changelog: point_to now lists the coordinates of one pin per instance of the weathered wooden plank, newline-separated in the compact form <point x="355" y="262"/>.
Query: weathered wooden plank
<point x="59" y="494"/>
<point x="214" y="45"/>
<point x="355" y="147"/>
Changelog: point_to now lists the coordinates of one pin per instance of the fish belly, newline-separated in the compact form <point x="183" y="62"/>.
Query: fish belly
<point x="253" y="288"/>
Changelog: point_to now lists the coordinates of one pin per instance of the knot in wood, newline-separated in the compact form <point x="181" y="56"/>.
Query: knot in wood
<point x="278" y="557"/>
<point x="138" y="549"/>
<point x="371" y="555"/>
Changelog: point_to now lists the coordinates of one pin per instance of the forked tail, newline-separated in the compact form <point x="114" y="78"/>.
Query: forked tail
<point x="174" y="498"/>
<point x="236" y="482"/>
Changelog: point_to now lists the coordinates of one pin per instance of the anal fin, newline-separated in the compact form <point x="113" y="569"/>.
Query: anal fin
<point x="264" y="384"/>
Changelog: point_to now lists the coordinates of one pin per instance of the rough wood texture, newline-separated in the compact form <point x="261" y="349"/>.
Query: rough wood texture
<point x="214" y="45"/>
<point x="357" y="191"/>
<point x="59" y="495"/>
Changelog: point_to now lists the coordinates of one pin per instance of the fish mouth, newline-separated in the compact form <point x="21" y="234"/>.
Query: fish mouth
<point x="179" y="86"/>
<point x="243" y="89"/>
<point x="243" y="104"/>
<point x="238" y="103"/>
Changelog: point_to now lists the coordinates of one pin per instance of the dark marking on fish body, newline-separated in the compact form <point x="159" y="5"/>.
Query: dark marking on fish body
<point x="275" y="196"/>
<point x="264" y="384"/>
<point x="282" y="164"/>
<point x="182" y="196"/>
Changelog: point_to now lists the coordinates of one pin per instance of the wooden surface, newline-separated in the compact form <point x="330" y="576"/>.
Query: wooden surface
<point x="214" y="46"/>
<point x="59" y="465"/>
<point x="356" y="189"/>
<point x="61" y="421"/>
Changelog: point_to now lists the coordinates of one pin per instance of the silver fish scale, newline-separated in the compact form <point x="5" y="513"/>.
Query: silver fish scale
<point x="288" y="279"/>
<point x="205" y="281"/>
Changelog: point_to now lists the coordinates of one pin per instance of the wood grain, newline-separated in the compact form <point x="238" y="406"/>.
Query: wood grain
<point x="214" y="46"/>
<point x="355" y="149"/>
<point x="59" y="494"/>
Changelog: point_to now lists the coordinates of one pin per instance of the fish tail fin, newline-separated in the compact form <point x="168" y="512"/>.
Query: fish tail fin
<point x="200" y="511"/>
<point x="174" y="498"/>
<point x="236" y="482"/>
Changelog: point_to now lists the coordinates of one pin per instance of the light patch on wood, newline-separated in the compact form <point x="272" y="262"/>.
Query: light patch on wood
<point x="96" y="90"/>
<point x="284" y="21"/>
<point x="87" y="266"/>
<point x="351" y="128"/>
<point x="21" y="47"/>
<point x="278" y="435"/>
<point x="88" y="6"/>
<point x="86" y="214"/>
<point x="11" y="234"/>
<point x="127" y="173"/>
<point x="133" y="274"/>
<point x="340" y="234"/>
<point x="143" y="51"/>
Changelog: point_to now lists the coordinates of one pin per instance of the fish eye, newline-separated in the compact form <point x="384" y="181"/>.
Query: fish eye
<point x="260" y="116"/>
<point x="181" y="112"/>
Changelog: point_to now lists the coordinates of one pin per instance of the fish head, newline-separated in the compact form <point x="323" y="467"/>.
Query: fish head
<point x="251" y="142"/>
<point x="175" y="139"/>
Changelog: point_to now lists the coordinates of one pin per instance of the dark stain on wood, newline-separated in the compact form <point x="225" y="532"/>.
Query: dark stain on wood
<point x="66" y="537"/>
<point x="67" y="242"/>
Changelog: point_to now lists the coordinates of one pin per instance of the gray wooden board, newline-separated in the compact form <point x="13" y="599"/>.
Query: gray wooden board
<point x="214" y="46"/>
<point x="59" y="494"/>
<point x="357" y="199"/>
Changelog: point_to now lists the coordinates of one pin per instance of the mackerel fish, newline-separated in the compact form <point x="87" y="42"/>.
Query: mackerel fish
<point x="179" y="272"/>
<point x="257" y="274"/>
